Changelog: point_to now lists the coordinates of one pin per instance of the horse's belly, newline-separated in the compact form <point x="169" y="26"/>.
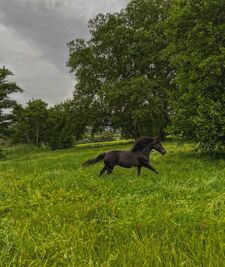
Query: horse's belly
<point x="127" y="161"/>
<point x="125" y="165"/>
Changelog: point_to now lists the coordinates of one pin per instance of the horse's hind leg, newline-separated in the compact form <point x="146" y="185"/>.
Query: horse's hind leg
<point x="109" y="166"/>
<point x="102" y="171"/>
<point x="109" y="170"/>
<point x="139" y="170"/>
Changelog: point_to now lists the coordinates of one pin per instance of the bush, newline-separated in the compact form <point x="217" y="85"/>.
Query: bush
<point x="106" y="136"/>
<point x="60" y="132"/>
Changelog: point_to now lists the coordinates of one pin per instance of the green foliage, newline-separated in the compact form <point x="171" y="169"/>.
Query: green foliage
<point x="6" y="89"/>
<point x="56" y="127"/>
<point x="59" y="134"/>
<point x="55" y="213"/>
<point x="137" y="109"/>
<point x="30" y="122"/>
<point x="147" y="54"/>
<point x="106" y="136"/>
<point x="196" y="32"/>
<point x="121" y="79"/>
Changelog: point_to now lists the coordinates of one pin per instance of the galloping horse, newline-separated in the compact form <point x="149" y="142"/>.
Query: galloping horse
<point x="138" y="156"/>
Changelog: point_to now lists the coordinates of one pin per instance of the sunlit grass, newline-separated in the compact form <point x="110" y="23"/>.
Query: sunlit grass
<point x="108" y="143"/>
<point x="55" y="213"/>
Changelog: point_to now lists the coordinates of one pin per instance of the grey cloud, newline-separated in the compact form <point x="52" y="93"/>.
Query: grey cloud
<point x="38" y="76"/>
<point x="47" y="26"/>
<point x="33" y="41"/>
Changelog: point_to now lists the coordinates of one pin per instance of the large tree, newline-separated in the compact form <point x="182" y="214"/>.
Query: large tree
<point x="6" y="103"/>
<point x="120" y="73"/>
<point x="196" y="33"/>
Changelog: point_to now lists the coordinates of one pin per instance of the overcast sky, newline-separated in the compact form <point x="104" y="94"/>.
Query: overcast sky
<point x="33" y="37"/>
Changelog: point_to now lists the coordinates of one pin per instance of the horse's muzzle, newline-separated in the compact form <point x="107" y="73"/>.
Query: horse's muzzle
<point x="163" y="152"/>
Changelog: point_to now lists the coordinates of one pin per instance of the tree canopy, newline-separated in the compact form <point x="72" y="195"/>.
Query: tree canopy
<point x="156" y="64"/>
<point x="119" y="71"/>
<point x="6" y="89"/>
<point x="30" y="122"/>
<point x="196" y="50"/>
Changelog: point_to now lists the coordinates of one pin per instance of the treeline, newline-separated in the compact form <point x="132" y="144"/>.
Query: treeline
<point x="156" y="67"/>
<point x="35" y="124"/>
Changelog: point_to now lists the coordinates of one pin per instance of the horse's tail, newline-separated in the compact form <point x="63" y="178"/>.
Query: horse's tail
<point x="93" y="161"/>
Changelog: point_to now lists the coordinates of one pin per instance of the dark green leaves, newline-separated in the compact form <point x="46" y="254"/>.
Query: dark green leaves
<point x="6" y="88"/>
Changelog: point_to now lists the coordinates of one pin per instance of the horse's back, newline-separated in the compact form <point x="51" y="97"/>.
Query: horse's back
<point x="125" y="159"/>
<point x="111" y="157"/>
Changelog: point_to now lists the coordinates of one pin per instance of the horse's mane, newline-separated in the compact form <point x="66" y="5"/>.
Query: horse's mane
<point x="142" y="143"/>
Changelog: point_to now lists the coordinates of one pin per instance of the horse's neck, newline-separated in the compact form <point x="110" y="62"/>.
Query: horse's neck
<point x="147" y="150"/>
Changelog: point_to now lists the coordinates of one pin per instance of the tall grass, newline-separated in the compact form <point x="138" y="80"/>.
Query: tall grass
<point x="55" y="213"/>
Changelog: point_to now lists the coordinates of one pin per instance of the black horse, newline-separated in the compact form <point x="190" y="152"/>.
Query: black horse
<point x="138" y="156"/>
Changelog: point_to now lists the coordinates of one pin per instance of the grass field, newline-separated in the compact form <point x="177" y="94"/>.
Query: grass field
<point x="55" y="213"/>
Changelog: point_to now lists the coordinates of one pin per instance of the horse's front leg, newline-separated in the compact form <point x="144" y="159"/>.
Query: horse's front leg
<point x="139" y="170"/>
<point x="149" y="166"/>
<point x="109" y="170"/>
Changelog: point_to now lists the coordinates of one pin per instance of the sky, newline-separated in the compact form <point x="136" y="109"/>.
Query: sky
<point x="33" y="38"/>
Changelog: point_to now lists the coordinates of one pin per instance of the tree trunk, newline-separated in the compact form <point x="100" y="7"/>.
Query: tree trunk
<point x="37" y="135"/>
<point x="136" y="134"/>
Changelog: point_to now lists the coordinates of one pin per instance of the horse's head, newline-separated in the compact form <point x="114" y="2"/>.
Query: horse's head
<point x="158" y="146"/>
<point x="147" y="144"/>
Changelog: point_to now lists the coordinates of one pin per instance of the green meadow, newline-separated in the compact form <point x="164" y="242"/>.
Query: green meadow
<point x="53" y="212"/>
